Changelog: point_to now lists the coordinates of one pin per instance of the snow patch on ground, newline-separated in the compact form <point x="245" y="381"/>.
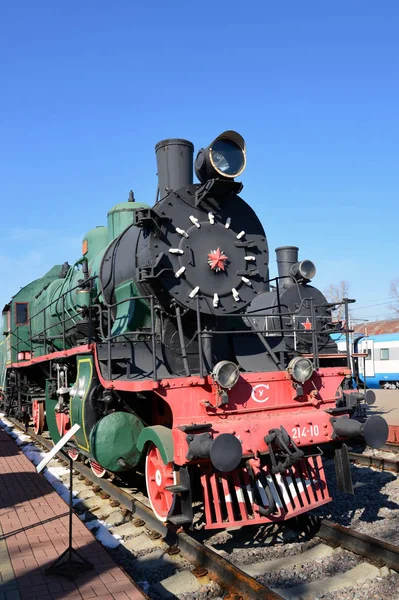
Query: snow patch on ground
<point x="101" y="532"/>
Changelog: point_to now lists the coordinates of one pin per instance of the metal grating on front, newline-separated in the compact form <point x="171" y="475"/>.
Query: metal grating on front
<point x="238" y="498"/>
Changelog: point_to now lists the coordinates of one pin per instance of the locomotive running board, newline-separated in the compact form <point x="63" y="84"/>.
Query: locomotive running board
<point x="232" y="500"/>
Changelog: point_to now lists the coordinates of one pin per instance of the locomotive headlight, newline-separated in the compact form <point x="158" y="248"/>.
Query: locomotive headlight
<point x="225" y="157"/>
<point x="305" y="269"/>
<point x="300" y="369"/>
<point x="226" y="374"/>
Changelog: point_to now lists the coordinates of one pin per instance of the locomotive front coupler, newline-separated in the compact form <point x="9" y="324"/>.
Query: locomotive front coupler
<point x="282" y="440"/>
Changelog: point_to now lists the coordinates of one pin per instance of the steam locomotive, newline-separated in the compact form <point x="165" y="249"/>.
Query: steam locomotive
<point x="176" y="353"/>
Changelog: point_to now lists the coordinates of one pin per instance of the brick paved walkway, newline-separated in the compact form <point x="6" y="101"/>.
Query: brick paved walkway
<point x="34" y="532"/>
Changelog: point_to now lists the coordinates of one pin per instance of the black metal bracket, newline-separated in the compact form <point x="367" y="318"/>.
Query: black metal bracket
<point x="248" y="244"/>
<point x="183" y="491"/>
<point x="343" y="470"/>
<point x="194" y="427"/>
<point x="149" y="272"/>
<point x="248" y="272"/>
<point x="146" y="217"/>
<point x="217" y="187"/>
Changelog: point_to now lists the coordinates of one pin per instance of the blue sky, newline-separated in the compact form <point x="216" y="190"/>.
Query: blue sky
<point x="88" y="88"/>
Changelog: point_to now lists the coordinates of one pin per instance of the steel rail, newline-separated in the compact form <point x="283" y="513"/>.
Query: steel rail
<point x="390" y="447"/>
<point x="359" y="543"/>
<point x="227" y="575"/>
<point x="379" y="462"/>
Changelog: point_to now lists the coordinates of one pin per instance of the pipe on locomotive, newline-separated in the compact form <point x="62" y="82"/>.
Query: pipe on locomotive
<point x="289" y="268"/>
<point x="175" y="164"/>
<point x="286" y="256"/>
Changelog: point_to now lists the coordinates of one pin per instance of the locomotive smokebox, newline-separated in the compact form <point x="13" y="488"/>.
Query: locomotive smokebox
<point x="175" y="165"/>
<point x="287" y="256"/>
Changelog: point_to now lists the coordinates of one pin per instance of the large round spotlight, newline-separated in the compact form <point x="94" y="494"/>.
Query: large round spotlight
<point x="300" y="369"/>
<point x="224" y="157"/>
<point x="226" y="374"/>
<point x="227" y="157"/>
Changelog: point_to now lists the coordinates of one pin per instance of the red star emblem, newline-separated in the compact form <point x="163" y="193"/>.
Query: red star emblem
<point x="216" y="260"/>
<point x="307" y="324"/>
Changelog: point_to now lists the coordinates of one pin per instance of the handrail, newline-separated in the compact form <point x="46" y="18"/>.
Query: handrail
<point x="278" y="314"/>
<point x="62" y="321"/>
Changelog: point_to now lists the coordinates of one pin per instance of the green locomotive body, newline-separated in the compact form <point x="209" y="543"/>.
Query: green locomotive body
<point x="53" y="315"/>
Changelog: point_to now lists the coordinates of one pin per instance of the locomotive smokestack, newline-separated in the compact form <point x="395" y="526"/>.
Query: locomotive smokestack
<point x="175" y="164"/>
<point x="286" y="257"/>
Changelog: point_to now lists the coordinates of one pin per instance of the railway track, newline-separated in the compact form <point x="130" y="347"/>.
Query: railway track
<point x="385" y="458"/>
<point x="172" y="562"/>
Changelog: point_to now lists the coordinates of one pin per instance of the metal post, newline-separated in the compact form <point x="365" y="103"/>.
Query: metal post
<point x="364" y="359"/>
<point x="109" y="341"/>
<point x="63" y="323"/>
<point x="89" y="331"/>
<point x="200" y="358"/>
<point x="348" y="351"/>
<point x="70" y="506"/>
<point x="70" y="563"/>
<point x="44" y="331"/>
<point x="314" y="336"/>
<point x="182" y="344"/>
<point x="30" y="337"/>
<point x="153" y="341"/>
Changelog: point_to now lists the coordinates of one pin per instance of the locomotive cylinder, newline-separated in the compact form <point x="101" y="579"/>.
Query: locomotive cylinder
<point x="175" y="165"/>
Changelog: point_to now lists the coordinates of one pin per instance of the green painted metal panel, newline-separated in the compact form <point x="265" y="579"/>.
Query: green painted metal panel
<point x="113" y="441"/>
<point x="51" y="401"/>
<point x="162" y="438"/>
<point x="96" y="240"/>
<point x="121" y="216"/>
<point x="79" y="392"/>
<point x="32" y="294"/>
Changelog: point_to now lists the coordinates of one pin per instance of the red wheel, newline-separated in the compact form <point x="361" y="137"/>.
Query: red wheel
<point x="158" y="476"/>
<point x="38" y="416"/>
<point x="63" y="423"/>
<point x="73" y="453"/>
<point x="97" y="469"/>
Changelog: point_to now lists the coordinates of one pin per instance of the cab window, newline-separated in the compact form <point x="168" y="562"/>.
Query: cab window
<point x="21" y="313"/>
<point x="384" y="354"/>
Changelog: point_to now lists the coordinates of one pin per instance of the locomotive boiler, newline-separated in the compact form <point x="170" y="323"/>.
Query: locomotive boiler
<point x="175" y="351"/>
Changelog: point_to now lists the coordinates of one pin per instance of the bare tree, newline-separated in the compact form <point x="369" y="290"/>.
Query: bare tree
<point x="394" y="292"/>
<point x="335" y="293"/>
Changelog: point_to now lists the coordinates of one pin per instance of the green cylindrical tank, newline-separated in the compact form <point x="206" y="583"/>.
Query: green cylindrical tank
<point x="94" y="241"/>
<point x="121" y="216"/>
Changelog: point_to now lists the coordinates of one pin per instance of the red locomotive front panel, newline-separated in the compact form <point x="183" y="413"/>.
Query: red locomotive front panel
<point x="257" y="445"/>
